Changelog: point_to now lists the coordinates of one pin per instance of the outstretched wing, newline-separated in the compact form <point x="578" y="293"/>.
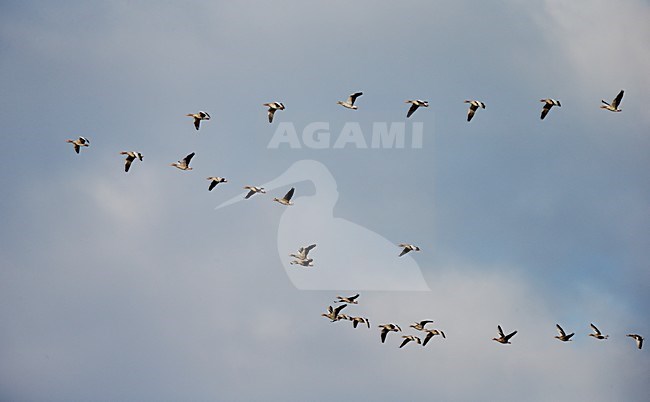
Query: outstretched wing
<point x="213" y="184"/>
<point x="510" y="335"/>
<point x="545" y="110"/>
<point x="127" y="164"/>
<point x="500" y="330"/>
<point x="289" y="194"/>
<point x="412" y="109"/>
<point x="383" y="335"/>
<point x="406" y="250"/>
<point x="426" y="339"/>
<point x="353" y="297"/>
<point x="560" y="330"/>
<point x="354" y="97"/>
<point x="617" y="100"/>
<point x="188" y="158"/>
<point x="250" y="193"/>
<point x="197" y="122"/>
<point x="271" y="113"/>
<point x="406" y="340"/>
<point x="470" y="112"/>
<point x="596" y="330"/>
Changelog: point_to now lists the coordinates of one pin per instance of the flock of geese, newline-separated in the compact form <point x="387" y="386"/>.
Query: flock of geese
<point x="335" y="315"/>
<point x="301" y="257"/>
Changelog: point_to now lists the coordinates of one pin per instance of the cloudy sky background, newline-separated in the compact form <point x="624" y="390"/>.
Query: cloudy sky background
<point x="132" y="286"/>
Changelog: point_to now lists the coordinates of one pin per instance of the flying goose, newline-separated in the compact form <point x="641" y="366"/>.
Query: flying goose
<point x="303" y="252"/>
<point x="348" y="300"/>
<point x="504" y="338"/>
<point x="78" y="143"/>
<point x="563" y="336"/>
<point x="254" y="190"/>
<point x="286" y="200"/>
<point x="273" y="106"/>
<point x="130" y="157"/>
<point x="407" y="248"/>
<point x="415" y="104"/>
<point x="184" y="164"/>
<point x="473" y="106"/>
<point x="386" y="328"/>
<point x="409" y="338"/>
<point x="638" y="339"/>
<point x="357" y="320"/>
<point x="332" y="313"/>
<point x="548" y="104"/>
<point x="201" y="115"/>
<point x="309" y="262"/>
<point x="420" y="325"/>
<point x="215" y="180"/>
<point x="597" y="333"/>
<point x="613" y="107"/>
<point x="350" y="102"/>
<point x="430" y="334"/>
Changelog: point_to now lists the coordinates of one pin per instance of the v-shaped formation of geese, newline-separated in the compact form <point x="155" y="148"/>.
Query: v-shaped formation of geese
<point x="473" y="106"/>
<point x="78" y="143"/>
<point x="273" y="107"/>
<point x="407" y="248"/>
<point x="130" y="157"/>
<point x="415" y="104"/>
<point x="201" y="115"/>
<point x="350" y="102"/>
<point x="214" y="180"/>
<point x="184" y="164"/>
<point x="548" y="104"/>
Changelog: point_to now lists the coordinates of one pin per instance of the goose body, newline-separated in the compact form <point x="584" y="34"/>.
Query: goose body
<point x="184" y="164"/>
<point x="548" y="104"/>
<point x="254" y="190"/>
<point x="502" y="337"/>
<point x="638" y="338"/>
<point x="309" y="262"/>
<point x="201" y="115"/>
<point x="410" y="338"/>
<point x="473" y="106"/>
<point x="286" y="200"/>
<point x="359" y="320"/>
<point x="407" y="248"/>
<point x="415" y="104"/>
<point x="562" y="335"/>
<point x="613" y="107"/>
<point x="273" y="107"/>
<point x="130" y="157"/>
<point x="349" y="103"/>
<point x="78" y="143"/>
<point x="597" y="334"/>
<point x="386" y="328"/>
<point x="214" y="180"/>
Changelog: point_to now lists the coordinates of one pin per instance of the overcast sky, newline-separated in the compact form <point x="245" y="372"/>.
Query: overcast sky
<point x="135" y="286"/>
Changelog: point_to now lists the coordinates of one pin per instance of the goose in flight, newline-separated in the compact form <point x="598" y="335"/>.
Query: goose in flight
<point x="359" y="320"/>
<point x="548" y="104"/>
<point x="273" y="106"/>
<point x="350" y="102"/>
<point x="420" y="325"/>
<point x="201" y="115"/>
<point x="215" y="180"/>
<point x="409" y="338"/>
<point x="407" y="248"/>
<point x="563" y="336"/>
<point x="332" y="313"/>
<point x="596" y="334"/>
<point x="254" y="190"/>
<point x="308" y="262"/>
<point x="473" y="106"/>
<point x="638" y="339"/>
<point x="386" y="328"/>
<point x="504" y="338"/>
<point x="303" y="252"/>
<point x="348" y="300"/>
<point x="78" y="143"/>
<point x="286" y="200"/>
<point x="415" y="104"/>
<point x="130" y="157"/>
<point x="184" y="164"/>
<point x="613" y="107"/>
<point x="430" y="334"/>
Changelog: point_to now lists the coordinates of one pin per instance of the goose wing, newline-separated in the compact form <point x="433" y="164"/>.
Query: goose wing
<point x="354" y="97"/>
<point x="250" y="194"/>
<point x="307" y="249"/>
<point x="289" y="194"/>
<point x="353" y="297"/>
<point x="412" y="109"/>
<point x="127" y="163"/>
<point x="596" y="330"/>
<point x="339" y="308"/>
<point x="213" y="184"/>
<point x="425" y="322"/>
<point x="560" y="330"/>
<point x="271" y="113"/>
<point x="510" y="335"/>
<point x="426" y="339"/>
<point x="197" y="122"/>
<point x="383" y="335"/>
<point x="406" y="340"/>
<point x="470" y="112"/>
<point x="500" y="331"/>
<point x="188" y="158"/>
<point x="617" y="100"/>
<point x="545" y="110"/>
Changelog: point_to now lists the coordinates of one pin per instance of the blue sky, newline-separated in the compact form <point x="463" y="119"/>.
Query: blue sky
<point x="133" y="286"/>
